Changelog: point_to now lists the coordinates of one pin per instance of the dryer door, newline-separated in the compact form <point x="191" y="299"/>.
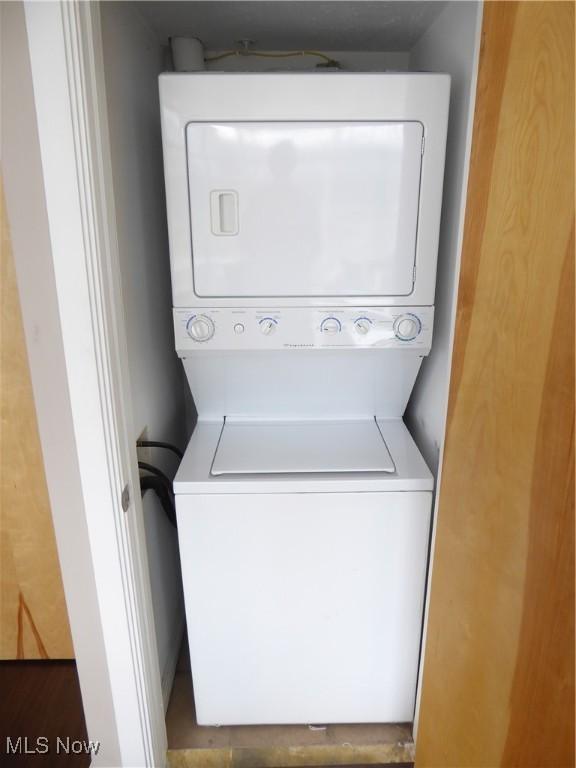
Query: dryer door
<point x="304" y="208"/>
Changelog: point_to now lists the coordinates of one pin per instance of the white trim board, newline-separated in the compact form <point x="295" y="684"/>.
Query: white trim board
<point x="23" y="182"/>
<point x="66" y="66"/>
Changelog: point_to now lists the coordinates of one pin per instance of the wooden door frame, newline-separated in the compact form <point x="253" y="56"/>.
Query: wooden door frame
<point x="66" y="63"/>
<point x="460" y="243"/>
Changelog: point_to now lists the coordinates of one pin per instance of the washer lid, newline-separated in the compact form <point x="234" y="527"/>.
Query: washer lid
<point x="265" y="447"/>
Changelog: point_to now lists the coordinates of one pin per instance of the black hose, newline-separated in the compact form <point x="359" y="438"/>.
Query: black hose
<point x="162" y="485"/>
<point x="155" y="471"/>
<point x="162" y="491"/>
<point x="159" y="444"/>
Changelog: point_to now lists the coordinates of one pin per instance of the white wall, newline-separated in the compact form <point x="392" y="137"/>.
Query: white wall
<point x="133" y="59"/>
<point x="449" y="46"/>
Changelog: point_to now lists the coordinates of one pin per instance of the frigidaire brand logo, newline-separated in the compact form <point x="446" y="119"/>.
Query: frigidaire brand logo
<point x="42" y="745"/>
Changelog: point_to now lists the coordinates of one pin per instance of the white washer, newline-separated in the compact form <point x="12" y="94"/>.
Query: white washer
<point x="304" y="588"/>
<point x="303" y="218"/>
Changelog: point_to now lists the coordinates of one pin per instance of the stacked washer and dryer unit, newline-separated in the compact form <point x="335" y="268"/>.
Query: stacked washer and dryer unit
<point x="303" y="216"/>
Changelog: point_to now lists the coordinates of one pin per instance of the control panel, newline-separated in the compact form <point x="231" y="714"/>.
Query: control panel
<point x="303" y="328"/>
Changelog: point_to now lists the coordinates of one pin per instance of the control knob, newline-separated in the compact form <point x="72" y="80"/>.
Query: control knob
<point x="407" y="327"/>
<point x="268" y="326"/>
<point x="331" y="325"/>
<point x="200" y="328"/>
<point x="363" y="325"/>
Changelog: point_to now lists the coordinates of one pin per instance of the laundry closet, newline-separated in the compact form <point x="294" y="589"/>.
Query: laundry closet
<point x="289" y="209"/>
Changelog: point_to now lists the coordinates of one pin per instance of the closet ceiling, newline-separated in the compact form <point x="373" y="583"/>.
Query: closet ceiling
<point x="339" y="25"/>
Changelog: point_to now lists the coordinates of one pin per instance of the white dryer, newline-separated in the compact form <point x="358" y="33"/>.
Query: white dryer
<point x="303" y="214"/>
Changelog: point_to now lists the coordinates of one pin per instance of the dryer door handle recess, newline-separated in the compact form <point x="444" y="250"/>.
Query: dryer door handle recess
<point x="224" y="211"/>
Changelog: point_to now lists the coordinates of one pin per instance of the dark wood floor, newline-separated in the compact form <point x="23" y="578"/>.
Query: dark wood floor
<point x="41" y="700"/>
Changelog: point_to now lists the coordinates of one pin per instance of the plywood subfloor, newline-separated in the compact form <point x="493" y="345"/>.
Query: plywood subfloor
<point x="275" y="746"/>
